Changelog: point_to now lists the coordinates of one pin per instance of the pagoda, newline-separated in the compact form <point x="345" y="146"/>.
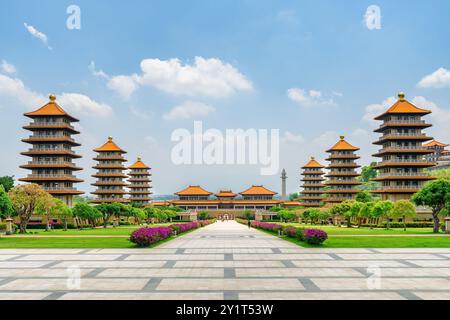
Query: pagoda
<point x="139" y="183"/>
<point x="312" y="194"/>
<point x="342" y="172"/>
<point x="402" y="150"/>
<point x="110" y="177"/>
<point x="437" y="149"/>
<point x="51" y="153"/>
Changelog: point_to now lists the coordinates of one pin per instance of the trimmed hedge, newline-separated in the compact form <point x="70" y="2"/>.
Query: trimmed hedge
<point x="310" y="236"/>
<point x="400" y="225"/>
<point x="54" y="226"/>
<point x="144" y="237"/>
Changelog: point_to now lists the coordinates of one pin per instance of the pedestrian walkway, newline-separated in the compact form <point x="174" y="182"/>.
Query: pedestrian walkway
<point x="225" y="260"/>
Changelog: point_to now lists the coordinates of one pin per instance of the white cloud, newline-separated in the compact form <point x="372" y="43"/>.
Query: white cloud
<point x="438" y="79"/>
<point x="14" y="89"/>
<point x="37" y="34"/>
<point x="124" y="85"/>
<point x="97" y="73"/>
<point x="206" y="77"/>
<point x="7" y="67"/>
<point x="374" y="110"/>
<point x="188" y="110"/>
<point x="82" y="104"/>
<point x="311" y="98"/>
<point x="290" y="137"/>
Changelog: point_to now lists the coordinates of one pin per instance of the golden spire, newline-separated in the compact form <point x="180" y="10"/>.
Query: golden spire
<point x="139" y="158"/>
<point x="110" y="138"/>
<point x="342" y="138"/>
<point x="401" y="96"/>
<point x="52" y="98"/>
<point x="313" y="158"/>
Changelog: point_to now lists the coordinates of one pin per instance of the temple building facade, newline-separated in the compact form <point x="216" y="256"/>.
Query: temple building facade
<point x="51" y="152"/>
<point x="254" y="198"/>
<point x="312" y="194"/>
<point x="403" y="155"/>
<point x="437" y="148"/>
<point x="110" y="174"/>
<point x="342" y="176"/>
<point x="139" y="183"/>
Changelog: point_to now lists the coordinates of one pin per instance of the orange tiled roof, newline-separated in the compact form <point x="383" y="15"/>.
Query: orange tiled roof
<point x="194" y="190"/>
<point x="435" y="143"/>
<point x="109" y="146"/>
<point x="138" y="165"/>
<point x="343" y="145"/>
<point x="226" y="193"/>
<point x="313" y="164"/>
<point x="257" y="190"/>
<point x="50" y="109"/>
<point x="292" y="203"/>
<point x="403" y="106"/>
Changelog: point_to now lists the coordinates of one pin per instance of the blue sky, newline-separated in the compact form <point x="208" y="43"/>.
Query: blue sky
<point x="258" y="51"/>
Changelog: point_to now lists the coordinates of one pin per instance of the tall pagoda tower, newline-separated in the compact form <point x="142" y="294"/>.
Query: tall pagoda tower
<point x="51" y="153"/>
<point x="110" y="177"/>
<point x="312" y="194"/>
<point x="402" y="150"/>
<point x="342" y="172"/>
<point x="139" y="182"/>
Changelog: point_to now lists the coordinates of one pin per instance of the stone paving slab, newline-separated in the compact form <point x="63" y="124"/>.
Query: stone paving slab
<point x="225" y="260"/>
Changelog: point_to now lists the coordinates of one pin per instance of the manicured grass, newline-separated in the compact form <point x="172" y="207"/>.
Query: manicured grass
<point x="375" y="242"/>
<point x="16" y="243"/>
<point x="100" y="231"/>
<point x="332" y="230"/>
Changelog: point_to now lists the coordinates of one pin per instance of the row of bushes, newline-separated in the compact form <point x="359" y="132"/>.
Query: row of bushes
<point x="400" y="225"/>
<point x="143" y="237"/>
<point x="310" y="236"/>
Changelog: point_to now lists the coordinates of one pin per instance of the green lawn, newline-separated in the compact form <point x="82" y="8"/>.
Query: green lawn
<point x="65" y="243"/>
<point x="332" y="230"/>
<point x="100" y="231"/>
<point x="337" y="241"/>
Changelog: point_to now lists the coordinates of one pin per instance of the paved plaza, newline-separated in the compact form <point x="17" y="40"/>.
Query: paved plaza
<point x="225" y="260"/>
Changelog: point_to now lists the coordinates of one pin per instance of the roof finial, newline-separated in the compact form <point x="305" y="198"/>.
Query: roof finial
<point x="342" y="137"/>
<point x="313" y="158"/>
<point x="110" y="138"/>
<point x="52" y="98"/>
<point x="401" y="96"/>
<point x="139" y="158"/>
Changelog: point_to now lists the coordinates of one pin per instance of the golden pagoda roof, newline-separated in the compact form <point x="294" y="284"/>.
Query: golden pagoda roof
<point x="226" y="193"/>
<point x="343" y="145"/>
<point x="313" y="164"/>
<point x="109" y="146"/>
<point x="403" y="106"/>
<point x="194" y="190"/>
<point x="435" y="143"/>
<point x="50" y="109"/>
<point x="258" y="190"/>
<point x="139" y="165"/>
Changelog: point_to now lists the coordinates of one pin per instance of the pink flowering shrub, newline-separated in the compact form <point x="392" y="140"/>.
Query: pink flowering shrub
<point x="146" y="236"/>
<point x="266" y="226"/>
<point x="314" y="236"/>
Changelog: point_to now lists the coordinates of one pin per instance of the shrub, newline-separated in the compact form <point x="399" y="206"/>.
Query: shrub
<point x="266" y="226"/>
<point x="146" y="236"/>
<point x="290" y="231"/>
<point x="314" y="236"/>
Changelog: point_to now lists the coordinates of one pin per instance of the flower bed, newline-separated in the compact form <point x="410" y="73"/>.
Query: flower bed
<point x="144" y="237"/>
<point x="310" y="236"/>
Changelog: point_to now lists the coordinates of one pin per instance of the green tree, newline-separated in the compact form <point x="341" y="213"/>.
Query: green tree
<point x="150" y="212"/>
<point x="7" y="182"/>
<point x="25" y="198"/>
<point x="286" y="215"/>
<point x="382" y="210"/>
<point x="110" y="209"/>
<point x="293" y="196"/>
<point x="403" y="209"/>
<point x="203" y="215"/>
<point x="364" y="196"/>
<point x="138" y="214"/>
<point x="369" y="172"/>
<point x="44" y="208"/>
<point x="61" y="211"/>
<point x="435" y="195"/>
<point x="87" y="212"/>
<point x="353" y="211"/>
<point x="365" y="212"/>
<point x="311" y="214"/>
<point x="248" y="214"/>
<point x="6" y="206"/>
<point x="170" y="214"/>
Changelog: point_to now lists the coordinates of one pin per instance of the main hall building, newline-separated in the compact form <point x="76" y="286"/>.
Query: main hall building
<point x="254" y="198"/>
